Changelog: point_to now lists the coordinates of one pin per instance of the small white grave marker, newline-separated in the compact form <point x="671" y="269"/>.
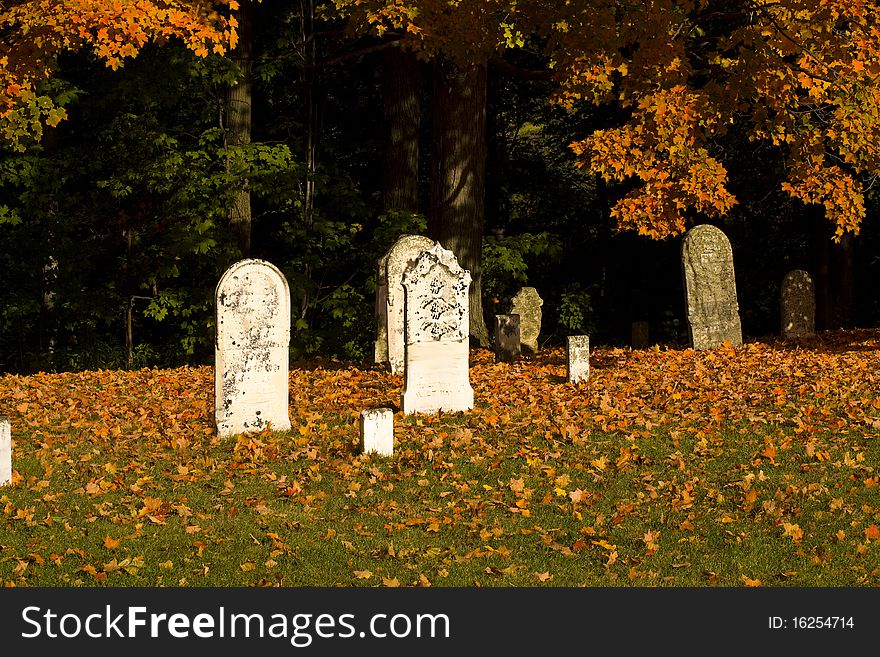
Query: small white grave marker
<point x="577" y="358"/>
<point x="710" y="287"/>
<point x="377" y="431"/>
<point x="5" y="452"/>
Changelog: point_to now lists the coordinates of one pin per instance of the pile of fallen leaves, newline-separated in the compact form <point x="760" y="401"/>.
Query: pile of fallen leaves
<point x="665" y="466"/>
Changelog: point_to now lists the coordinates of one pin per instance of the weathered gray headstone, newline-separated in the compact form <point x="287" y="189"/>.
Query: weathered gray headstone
<point x="507" y="338"/>
<point x="253" y="335"/>
<point x="377" y="431"/>
<point x="640" y="335"/>
<point x="710" y="287"/>
<point x="527" y="304"/>
<point x="436" y="329"/>
<point x="5" y="452"/>
<point x="389" y="346"/>
<point x="577" y="358"/>
<point x="798" y="305"/>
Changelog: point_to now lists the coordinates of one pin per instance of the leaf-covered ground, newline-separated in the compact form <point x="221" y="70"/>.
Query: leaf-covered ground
<point x="754" y="466"/>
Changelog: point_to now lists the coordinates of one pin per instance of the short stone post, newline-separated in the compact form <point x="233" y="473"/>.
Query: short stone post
<point x="507" y="338"/>
<point x="577" y="358"/>
<point x="377" y="431"/>
<point x="640" y="335"/>
<point x="5" y="452"/>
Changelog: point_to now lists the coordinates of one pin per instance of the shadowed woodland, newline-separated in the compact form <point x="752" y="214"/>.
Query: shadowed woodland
<point x="314" y="143"/>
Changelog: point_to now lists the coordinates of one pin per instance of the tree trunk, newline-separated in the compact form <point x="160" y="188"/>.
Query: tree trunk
<point x="402" y="96"/>
<point x="822" y="245"/>
<point x="843" y="281"/>
<point x="238" y="127"/>
<point x="48" y="323"/>
<point x="458" y="173"/>
<point x="312" y="123"/>
<point x="835" y="279"/>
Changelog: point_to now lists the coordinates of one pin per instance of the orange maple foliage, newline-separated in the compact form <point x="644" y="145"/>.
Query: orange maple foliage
<point x="800" y="75"/>
<point x="36" y="31"/>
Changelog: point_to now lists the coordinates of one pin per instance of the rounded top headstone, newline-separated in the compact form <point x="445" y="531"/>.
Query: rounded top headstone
<point x="390" y="298"/>
<point x="710" y="288"/>
<point x="408" y="244"/>
<point x="253" y="305"/>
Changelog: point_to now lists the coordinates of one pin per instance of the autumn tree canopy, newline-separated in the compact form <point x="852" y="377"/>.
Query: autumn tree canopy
<point x="34" y="32"/>
<point x="800" y="75"/>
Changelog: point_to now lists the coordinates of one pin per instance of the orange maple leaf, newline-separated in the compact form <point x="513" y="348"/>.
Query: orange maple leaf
<point x="794" y="530"/>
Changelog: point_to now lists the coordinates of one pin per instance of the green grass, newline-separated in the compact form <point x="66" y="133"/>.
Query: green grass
<point x="529" y="491"/>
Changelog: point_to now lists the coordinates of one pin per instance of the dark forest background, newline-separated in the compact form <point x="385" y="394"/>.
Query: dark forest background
<point x="116" y="227"/>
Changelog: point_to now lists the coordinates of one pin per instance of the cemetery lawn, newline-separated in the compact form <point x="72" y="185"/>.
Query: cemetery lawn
<point x="758" y="466"/>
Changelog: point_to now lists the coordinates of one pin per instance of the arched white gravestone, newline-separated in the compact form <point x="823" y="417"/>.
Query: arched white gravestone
<point x="710" y="286"/>
<point x="253" y="335"/>
<point x="798" y="305"/>
<point x="437" y="328"/>
<point x="389" y="346"/>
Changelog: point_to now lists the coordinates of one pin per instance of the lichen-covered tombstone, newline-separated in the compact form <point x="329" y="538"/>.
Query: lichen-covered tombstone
<point x="710" y="287"/>
<point x="253" y="336"/>
<point x="798" y="305"/>
<point x="5" y="452"/>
